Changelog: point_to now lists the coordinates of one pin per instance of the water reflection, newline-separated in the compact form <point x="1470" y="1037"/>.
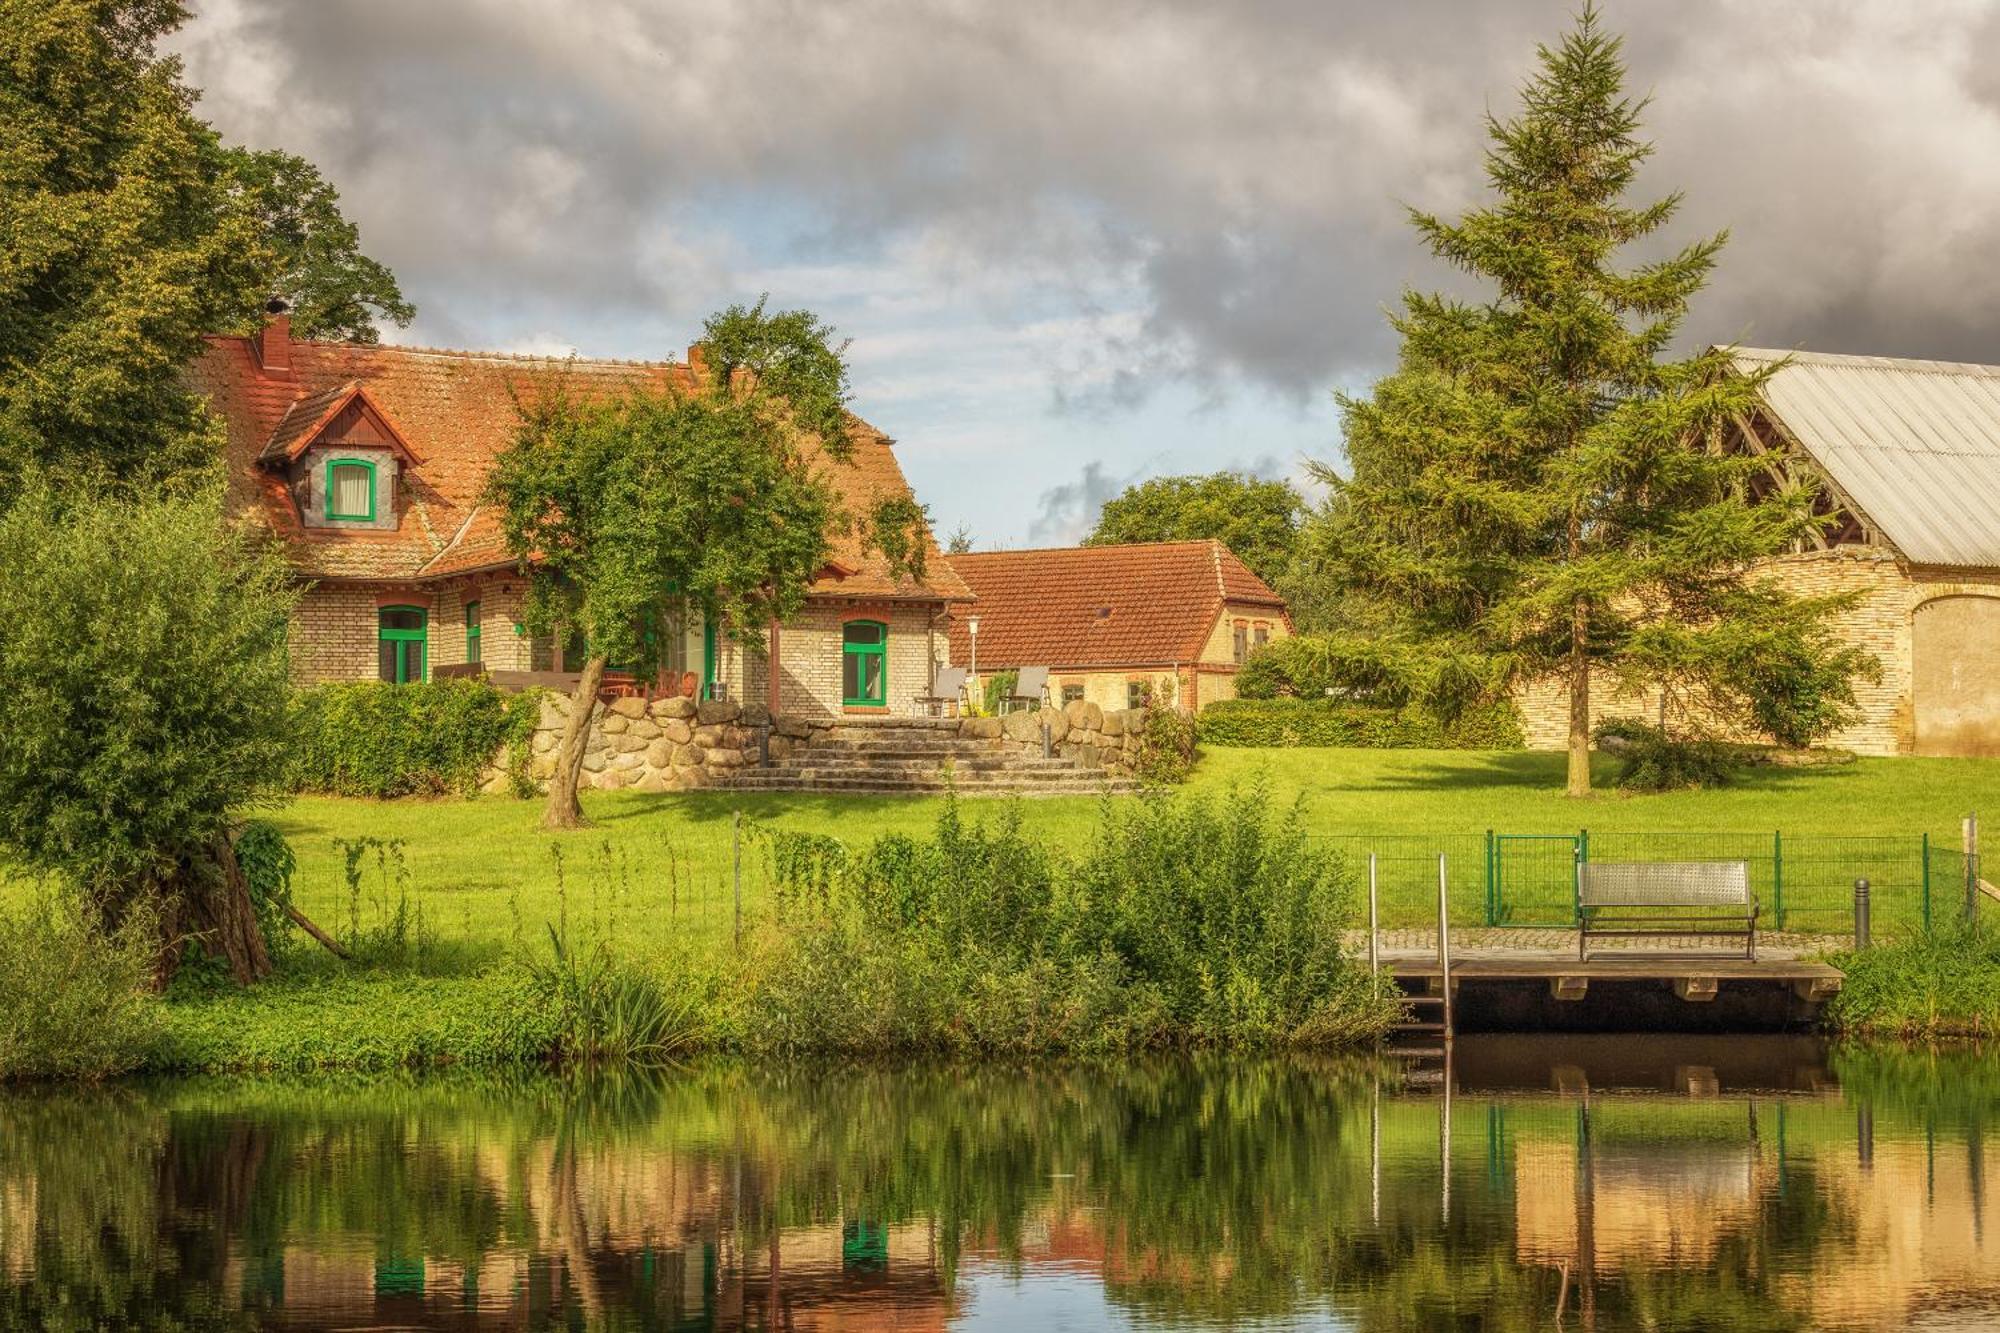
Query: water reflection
<point x="1601" y="1183"/>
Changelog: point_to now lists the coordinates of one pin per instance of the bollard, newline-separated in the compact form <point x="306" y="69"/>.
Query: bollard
<point x="1861" y="940"/>
<point x="1047" y="750"/>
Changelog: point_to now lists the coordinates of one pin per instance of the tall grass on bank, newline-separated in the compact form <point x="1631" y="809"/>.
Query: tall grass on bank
<point x="75" y="1001"/>
<point x="1185" y="920"/>
<point x="1943" y="984"/>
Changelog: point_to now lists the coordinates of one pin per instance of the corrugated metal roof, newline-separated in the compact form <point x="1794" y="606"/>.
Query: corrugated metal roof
<point x="1914" y="444"/>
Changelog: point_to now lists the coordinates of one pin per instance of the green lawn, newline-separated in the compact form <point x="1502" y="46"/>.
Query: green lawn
<point x="661" y="864"/>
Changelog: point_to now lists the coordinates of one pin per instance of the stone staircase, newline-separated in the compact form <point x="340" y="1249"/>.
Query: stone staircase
<point x="900" y="756"/>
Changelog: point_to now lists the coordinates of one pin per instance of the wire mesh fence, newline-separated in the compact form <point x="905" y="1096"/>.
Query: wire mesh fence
<point x="1802" y="882"/>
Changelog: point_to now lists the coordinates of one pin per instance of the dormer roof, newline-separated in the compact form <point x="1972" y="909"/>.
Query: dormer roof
<point x="311" y="415"/>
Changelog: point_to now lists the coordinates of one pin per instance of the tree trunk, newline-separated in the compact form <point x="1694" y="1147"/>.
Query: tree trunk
<point x="1579" y="703"/>
<point x="564" y="809"/>
<point x="207" y="901"/>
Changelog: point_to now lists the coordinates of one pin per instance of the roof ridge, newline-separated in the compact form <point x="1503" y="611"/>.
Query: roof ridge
<point x="1864" y="361"/>
<point x="467" y="353"/>
<point x="1083" y="546"/>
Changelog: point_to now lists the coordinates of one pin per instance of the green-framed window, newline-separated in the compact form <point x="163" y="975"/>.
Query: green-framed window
<point x="472" y="630"/>
<point x="864" y="662"/>
<point x="350" y="490"/>
<point x="400" y="633"/>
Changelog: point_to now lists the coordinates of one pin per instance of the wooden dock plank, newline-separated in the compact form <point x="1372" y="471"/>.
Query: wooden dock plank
<point x="1543" y="967"/>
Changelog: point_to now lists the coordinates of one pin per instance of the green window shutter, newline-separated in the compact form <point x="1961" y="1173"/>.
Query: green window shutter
<point x="472" y="631"/>
<point x="864" y="663"/>
<point x="350" y="490"/>
<point x="402" y="637"/>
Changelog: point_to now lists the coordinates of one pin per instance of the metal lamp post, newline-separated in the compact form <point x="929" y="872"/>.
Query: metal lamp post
<point x="972" y="628"/>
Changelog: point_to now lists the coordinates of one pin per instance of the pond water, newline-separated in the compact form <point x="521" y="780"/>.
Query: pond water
<point x="1618" y="1182"/>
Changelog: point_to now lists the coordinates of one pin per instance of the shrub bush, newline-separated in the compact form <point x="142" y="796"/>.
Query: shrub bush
<point x="75" y="1001"/>
<point x="369" y="738"/>
<point x="1945" y="984"/>
<point x="1167" y="746"/>
<point x="1187" y="922"/>
<point x="1653" y="760"/>
<point x="1287" y="723"/>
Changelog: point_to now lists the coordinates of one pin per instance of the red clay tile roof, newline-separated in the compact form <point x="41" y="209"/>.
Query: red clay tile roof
<point x="1147" y="604"/>
<point x="457" y="411"/>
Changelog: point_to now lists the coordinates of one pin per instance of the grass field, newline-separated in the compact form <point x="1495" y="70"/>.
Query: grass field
<point x="662" y="864"/>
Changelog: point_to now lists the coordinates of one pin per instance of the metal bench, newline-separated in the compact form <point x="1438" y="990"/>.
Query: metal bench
<point x="1697" y="897"/>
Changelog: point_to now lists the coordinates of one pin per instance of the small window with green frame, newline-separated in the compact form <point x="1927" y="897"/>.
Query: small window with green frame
<point x="350" y="490"/>
<point x="864" y="663"/>
<point x="472" y="631"/>
<point x="400" y="634"/>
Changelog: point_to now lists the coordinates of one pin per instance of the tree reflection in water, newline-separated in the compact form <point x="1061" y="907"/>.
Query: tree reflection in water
<point x="1597" y="1187"/>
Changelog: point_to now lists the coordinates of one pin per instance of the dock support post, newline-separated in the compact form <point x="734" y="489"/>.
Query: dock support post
<point x="1861" y="923"/>
<point x="1444" y="946"/>
<point x="1970" y="833"/>
<point x="1374" y="946"/>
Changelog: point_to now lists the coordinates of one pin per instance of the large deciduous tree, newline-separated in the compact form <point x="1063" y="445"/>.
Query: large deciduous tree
<point x="1535" y="492"/>
<point x="1254" y="517"/>
<point x="709" y="493"/>
<point x="127" y="231"/>
<point x="143" y="688"/>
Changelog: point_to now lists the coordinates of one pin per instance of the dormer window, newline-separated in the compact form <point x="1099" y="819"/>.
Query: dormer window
<point x="350" y="490"/>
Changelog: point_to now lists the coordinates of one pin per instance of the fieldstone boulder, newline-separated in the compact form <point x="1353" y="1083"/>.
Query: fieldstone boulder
<point x="1135" y="721"/>
<point x="1084" y="715"/>
<point x="756" y="715"/>
<point x="781" y="746"/>
<point x="610" y="779"/>
<point x="593" y="761"/>
<point x="1058" y="724"/>
<point x="677" y="730"/>
<point x="676" y="706"/>
<point x="707" y="736"/>
<point x="725" y="759"/>
<point x="627" y="706"/>
<point x="979" y="728"/>
<point x="625" y="763"/>
<point x="543" y="741"/>
<point x="689" y="756"/>
<point x="643" y="727"/>
<point x="660" y="753"/>
<point x="653" y="782"/>
<point x="709" y="712"/>
<point x="614" y="724"/>
<point x="1114" y="722"/>
<point x="555" y="710"/>
<point x="796" y="728"/>
<point x="1022" y="726"/>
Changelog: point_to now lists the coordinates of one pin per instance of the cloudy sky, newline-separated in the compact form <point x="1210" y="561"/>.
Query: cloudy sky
<point x="1079" y="244"/>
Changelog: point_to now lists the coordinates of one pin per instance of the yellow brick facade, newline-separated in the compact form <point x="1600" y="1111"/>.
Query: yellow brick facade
<point x="1891" y="595"/>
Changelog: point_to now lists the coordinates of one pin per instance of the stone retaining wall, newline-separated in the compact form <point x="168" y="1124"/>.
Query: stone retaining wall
<point x="680" y="745"/>
<point x="665" y="745"/>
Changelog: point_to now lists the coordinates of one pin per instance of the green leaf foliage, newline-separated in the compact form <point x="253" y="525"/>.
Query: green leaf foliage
<point x="127" y="231"/>
<point x="1256" y="518"/>
<point x="74" y="999"/>
<point x="335" y="291"/>
<point x="1286" y="723"/>
<point x="1534" y="493"/>
<point x="143" y="684"/>
<point x="369" y="738"/>
<point x="611" y="504"/>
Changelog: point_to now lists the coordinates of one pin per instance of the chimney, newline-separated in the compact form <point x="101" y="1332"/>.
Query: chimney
<point x="698" y="362"/>
<point x="273" y="343"/>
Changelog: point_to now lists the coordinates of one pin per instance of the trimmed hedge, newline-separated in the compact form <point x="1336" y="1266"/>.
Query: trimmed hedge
<point x="1294" y="722"/>
<point x="369" y="738"/>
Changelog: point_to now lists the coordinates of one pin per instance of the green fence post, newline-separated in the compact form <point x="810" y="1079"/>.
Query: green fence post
<point x="1576" y="876"/>
<point x="1778" y="875"/>
<point x="1927" y="883"/>
<point x="1492" y="897"/>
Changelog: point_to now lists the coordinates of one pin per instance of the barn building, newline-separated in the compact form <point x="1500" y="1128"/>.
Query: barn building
<point x="1907" y="454"/>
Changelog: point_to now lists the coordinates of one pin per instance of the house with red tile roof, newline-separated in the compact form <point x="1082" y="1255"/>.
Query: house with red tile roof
<point x="1112" y="622"/>
<point x="368" y="463"/>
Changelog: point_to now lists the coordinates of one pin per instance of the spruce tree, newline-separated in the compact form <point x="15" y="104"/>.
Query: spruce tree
<point x="1537" y="491"/>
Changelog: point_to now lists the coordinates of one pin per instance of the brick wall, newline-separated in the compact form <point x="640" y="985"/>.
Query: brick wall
<point x="1887" y="594"/>
<point x="809" y="660"/>
<point x="333" y="635"/>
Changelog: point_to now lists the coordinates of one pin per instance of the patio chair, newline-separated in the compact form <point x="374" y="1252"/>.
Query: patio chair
<point x="1031" y="689"/>
<point x="946" y="688"/>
